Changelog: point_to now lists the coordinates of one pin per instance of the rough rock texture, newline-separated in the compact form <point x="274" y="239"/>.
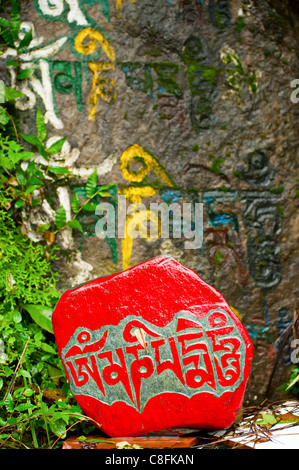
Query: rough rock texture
<point x="289" y="10"/>
<point x="153" y="348"/>
<point x="206" y="91"/>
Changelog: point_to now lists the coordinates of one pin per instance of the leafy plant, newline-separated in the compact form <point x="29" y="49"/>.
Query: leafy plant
<point x="57" y="174"/>
<point x="39" y="141"/>
<point x="37" y="407"/>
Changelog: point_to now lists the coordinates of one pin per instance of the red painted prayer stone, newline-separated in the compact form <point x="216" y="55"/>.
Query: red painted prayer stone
<point x="153" y="348"/>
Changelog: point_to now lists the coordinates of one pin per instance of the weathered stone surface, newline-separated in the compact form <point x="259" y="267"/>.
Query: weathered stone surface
<point x="153" y="348"/>
<point x="220" y="143"/>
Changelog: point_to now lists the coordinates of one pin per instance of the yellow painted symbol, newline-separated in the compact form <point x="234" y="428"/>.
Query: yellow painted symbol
<point x="138" y="217"/>
<point x="147" y="160"/>
<point x="103" y="88"/>
<point x="135" y="195"/>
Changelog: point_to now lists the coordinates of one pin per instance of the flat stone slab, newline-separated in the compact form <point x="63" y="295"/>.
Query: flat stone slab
<point x="144" y="442"/>
<point x="153" y="348"/>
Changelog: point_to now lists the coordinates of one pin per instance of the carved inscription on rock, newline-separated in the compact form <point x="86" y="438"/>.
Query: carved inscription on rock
<point x="135" y="360"/>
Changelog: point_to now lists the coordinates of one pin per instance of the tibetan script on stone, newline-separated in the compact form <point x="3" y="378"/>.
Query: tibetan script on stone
<point x="187" y="356"/>
<point x="152" y="348"/>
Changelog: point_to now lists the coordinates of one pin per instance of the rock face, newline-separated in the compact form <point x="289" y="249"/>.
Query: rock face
<point x="153" y="348"/>
<point x="176" y="101"/>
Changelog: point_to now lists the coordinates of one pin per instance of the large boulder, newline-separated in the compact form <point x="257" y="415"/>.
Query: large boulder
<point x="152" y="348"/>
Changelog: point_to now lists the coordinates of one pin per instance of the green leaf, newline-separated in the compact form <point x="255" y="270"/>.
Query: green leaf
<point x="75" y="224"/>
<point x="104" y="194"/>
<point x="11" y="94"/>
<point x="4" y="22"/>
<point x="47" y="348"/>
<point x="59" y="170"/>
<point x="40" y="125"/>
<point x="4" y="118"/>
<point x="16" y="316"/>
<point x="31" y="139"/>
<point x="24" y="73"/>
<point x="19" y="203"/>
<point x="296" y="379"/>
<point x="75" y="202"/>
<point x="60" y="404"/>
<point x="31" y="170"/>
<point x="26" y="155"/>
<point x="267" y="419"/>
<point x="57" y="146"/>
<point x="12" y="63"/>
<point x="8" y="403"/>
<point x="7" y="36"/>
<point x="64" y="416"/>
<point x="90" y="206"/>
<point x="60" y="218"/>
<point x="42" y="150"/>
<point x="25" y="373"/>
<point x="34" y="180"/>
<point x="6" y="163"/>
<point x="58" y="427"/>
<point x="35" y="202"/>
<point x="107" y="186"/>
<point x="25" y="407"/>
<point x="31" y="188"/>
<point x="8" y="371"/>
<point x="43" y="228"/>
<point x="25" y="42"/>
<point x="15" y="19"/>
<point x="91" y="184"/>
<point x="41" y="315"/>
